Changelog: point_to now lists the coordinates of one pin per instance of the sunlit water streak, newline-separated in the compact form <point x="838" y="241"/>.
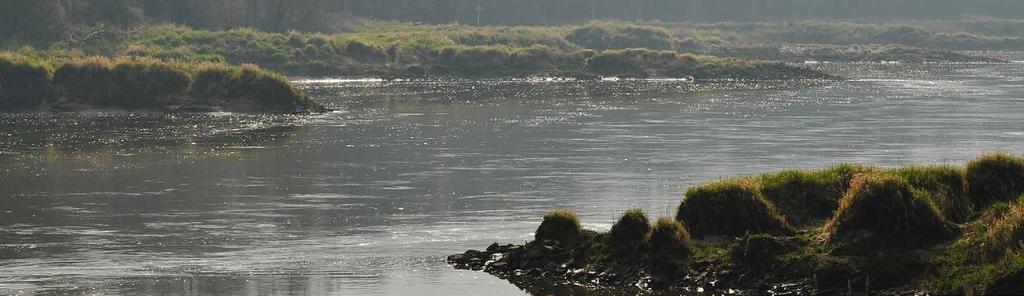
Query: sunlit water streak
<point x="371" y="198"/>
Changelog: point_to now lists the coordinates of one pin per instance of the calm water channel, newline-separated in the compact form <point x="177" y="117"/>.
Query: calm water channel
<point x="370" y="199"/>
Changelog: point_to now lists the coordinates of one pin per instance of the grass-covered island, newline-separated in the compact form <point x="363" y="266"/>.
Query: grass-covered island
<point x="599" y="48"/>
<point x="62" y="83"/>
<point x="392" y="50"/>
<point x="849" y="229"/>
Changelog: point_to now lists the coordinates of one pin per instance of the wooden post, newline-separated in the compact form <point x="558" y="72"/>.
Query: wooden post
<point x="478" y="9"/>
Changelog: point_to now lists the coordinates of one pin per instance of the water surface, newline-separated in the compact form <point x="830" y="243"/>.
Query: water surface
<point x="368" y="200"/>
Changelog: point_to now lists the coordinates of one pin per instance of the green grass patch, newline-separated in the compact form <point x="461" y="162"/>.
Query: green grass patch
<point x="670" y="240"/>
<point x="804" y="197"/>
<point x="994" y="177"/>
<point x="988" y="258"/>
<point x="732" y="207"/>
<point x="944" y="187"/>
<point x="562" y="226"/>
<point x="630" y="232"/>
<point x="23" y="81"/>
<point x="614" y="35"/>
<point x="398" y="50"/>
<point x="143" y="83"/>
<point x="887" y="230"/>
<point x="884" y="211"/>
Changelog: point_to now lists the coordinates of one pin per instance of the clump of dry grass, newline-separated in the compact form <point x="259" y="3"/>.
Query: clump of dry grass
<point x="883" y="210"/>
<point x="732" y="207"/>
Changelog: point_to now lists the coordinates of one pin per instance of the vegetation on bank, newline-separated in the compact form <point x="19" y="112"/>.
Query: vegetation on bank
<point x="883" y="211"/>
<point x="386" y="49"/>
<point x="593" y="49"/>
<point x="411" y="51"/>
<point x="936" y="229"/>
<point x="69" y="83"/>
<point x="331" y="16"/>
<point x="944" y="35"/>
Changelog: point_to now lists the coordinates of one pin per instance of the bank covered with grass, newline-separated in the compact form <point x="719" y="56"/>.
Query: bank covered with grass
<point x="392" y="50"/>
<point x="845" y="229"/>
<point x="72" y="83"/>
<point x="703" y="51"/>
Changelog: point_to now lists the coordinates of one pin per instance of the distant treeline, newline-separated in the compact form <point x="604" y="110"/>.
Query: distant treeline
<point x="569" y="11"/>
<point x="41" y="18"/>
<point x="42" y="21"/>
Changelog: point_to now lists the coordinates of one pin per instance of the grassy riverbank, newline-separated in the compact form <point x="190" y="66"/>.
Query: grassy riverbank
<point x="69" y="81"/>
<point x="386" y="49"/>
<point x="397" y="50"/>
<point x="849" y="228"/>
<point x="954" y="35"/>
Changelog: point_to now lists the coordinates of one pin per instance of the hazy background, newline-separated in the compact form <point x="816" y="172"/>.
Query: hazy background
<point x="42" y="17"/>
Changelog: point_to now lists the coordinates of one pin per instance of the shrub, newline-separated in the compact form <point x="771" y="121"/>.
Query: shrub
<point x="479" y="60"/>
<point x="630" y="231"/>
<point x="670" y="240"/>
<point x="804" y="196"/>
<point x="885" y="211"/>
<point x="246" y="85"/>
<point x="24" y="83"/>
<point x="604" y="36"/>
<point x="944" y="187"/>
<point x="613" y="63"/>
<point x="670" y="250"/>
<point x="731" y="207"/>
<point x="365" y="53"/>
<point x="636" y="62"/>
<point x="993" y="178"/>
<point x="562" y="226"/>
<point x="141" y="82"/>
<point x="88" y="81"/>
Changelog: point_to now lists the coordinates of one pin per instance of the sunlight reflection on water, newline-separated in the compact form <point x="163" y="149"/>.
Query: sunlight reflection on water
<point x="370" y="199"/>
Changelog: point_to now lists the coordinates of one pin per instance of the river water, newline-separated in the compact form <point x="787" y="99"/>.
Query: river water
<point x="370" y="199"/>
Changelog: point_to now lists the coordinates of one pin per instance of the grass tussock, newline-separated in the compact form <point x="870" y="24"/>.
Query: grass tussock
<point x="670" y="240"/>
<point x="885" y="211"/>
<point x="269" y="90"/>
<point x="807" y="196"/>
<point x="144" y="83"/>
<point x="888" y="230"/>
<point x="88" y="81"/>
<point x="1004" y="235"/>
<point x="130" y="83"/>
<point x="994" y="178"/>
<point x="944" y="187"/>
<point x="733" y="207"/>
<point x="988" y="259"/>
<point x="562" y="226"/>
<point x="23" y="81"/>
<point x="140" y="79"/>
<point x="611" y="35"/>
<point x="670" y="248"/>
<point x="630" y="232"/>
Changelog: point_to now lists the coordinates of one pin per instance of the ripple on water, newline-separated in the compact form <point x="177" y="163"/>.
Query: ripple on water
<point x="369" y="200"/>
